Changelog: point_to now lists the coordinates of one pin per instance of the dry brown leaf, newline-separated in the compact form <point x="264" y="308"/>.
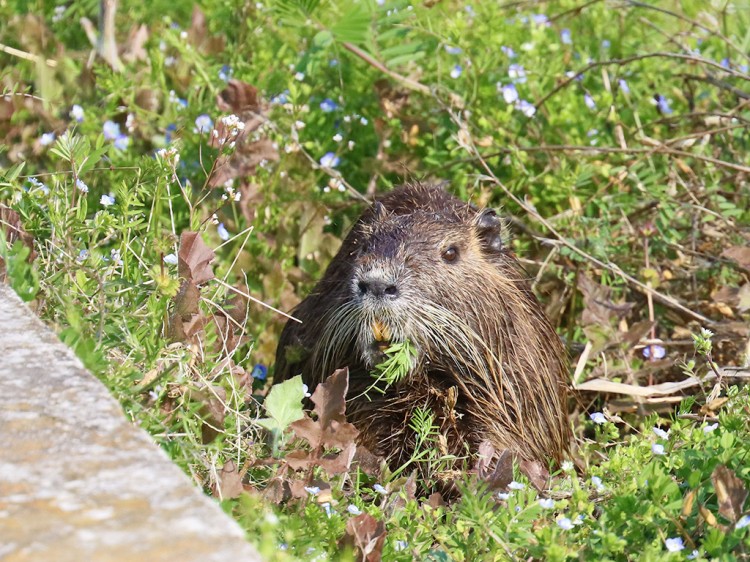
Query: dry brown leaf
<point x="536" y="472"/>
<point x="730" y="492"/>
<point x="367" y="535"/>
<point x="687" y="503"/>
<point x="493" y="468"/>
<point x="331" y="428"/>
<point x="10" y="225"/>
<point x="230" y="482"/>
<point x="194" y="258"/>
<point x="740" y="254"/>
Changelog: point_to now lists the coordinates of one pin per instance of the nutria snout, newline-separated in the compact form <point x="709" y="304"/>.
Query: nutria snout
<point x="424" y="267"/>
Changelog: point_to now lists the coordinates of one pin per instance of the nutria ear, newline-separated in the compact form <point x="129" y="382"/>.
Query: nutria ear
<point x="489" y="229"/>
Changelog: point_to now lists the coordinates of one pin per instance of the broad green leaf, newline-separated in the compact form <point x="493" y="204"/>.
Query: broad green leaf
<point x="283" y="405"/>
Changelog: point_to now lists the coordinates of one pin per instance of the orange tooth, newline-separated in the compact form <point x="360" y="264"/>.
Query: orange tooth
<point x="380" y="331"/>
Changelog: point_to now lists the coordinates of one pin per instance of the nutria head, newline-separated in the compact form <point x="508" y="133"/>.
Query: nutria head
<point x="423" y="266"/>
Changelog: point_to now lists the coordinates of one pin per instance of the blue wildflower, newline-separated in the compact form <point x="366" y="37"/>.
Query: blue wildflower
<point x="35" y="183"/>
<point x="456" y="71"/>
<point x="517" y="73"/>
<point x="674" y="545"/>
<point x="657" y="351"/>
<point x="662" y="104"/>
<point x="547" y="503"/>
<point x="508" y="51"/>
<point x="333" y="63"/>
<point x="516" y="485"/>
<point x="657" y="449"/>
<point x="589" y="101"/>
<point x="122" y="142"/>
<point x="222" y="231"/>
<point x="564" y="523"/>
<point x="82" y="255"/>
<point x="452" y="50"/>
<point x="259" y="372"/>
<point x="725" y="62"/>
<point x="111" y="130"/>
<point x="624" y="88"/>
<point x="598" y="418"/>
<point x="540" y="19"/>
<point x="281" y="98"/>
<point x="660" y="432"/>
<point x="46" y="139"/>
<point x="565" y="37"/>
<point x="171" y="128"/>
<point x="606" y="44"/>
<point x="82" y="187"/>
<point x="203" y="124"/>
<point x="527" y="108"/>
<point x="353" y="509"/>
<point x="76" y="112"/>
<point x="225" y="73"/>
<point x="170" y="259"/>
<point x="107" y="200"/>
<point x="509" y="92"/>
<point x="743" y="522"/>
<point x="328" y="105"/>
<point x="380" y="489"/>
<point x="329" y="160"/>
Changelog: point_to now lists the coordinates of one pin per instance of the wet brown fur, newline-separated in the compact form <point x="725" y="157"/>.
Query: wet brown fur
<point x="489" y="364"/>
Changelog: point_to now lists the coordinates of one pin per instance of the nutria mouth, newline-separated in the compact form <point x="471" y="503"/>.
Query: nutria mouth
<point x="423" y="266"/>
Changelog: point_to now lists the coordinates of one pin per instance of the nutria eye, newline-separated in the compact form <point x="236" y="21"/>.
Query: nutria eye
<point x="450" y="254"/>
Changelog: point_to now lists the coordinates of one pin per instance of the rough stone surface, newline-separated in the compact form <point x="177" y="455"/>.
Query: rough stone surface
<point x="77" y="480"/>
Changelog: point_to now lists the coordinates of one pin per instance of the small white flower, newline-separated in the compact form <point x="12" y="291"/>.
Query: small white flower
<point x="82" y="187"/>
<point x="567" y="466"/>
<point x="503" y="495"/>
<point x="312" y="490"/>
<point x="711" y="427"/>
<point x="527" y="108"/>
<point x="564" y="523"/>
<point x="456" y="71"/>
<point x="661" y="433"/>
<point x="170" y="259"/>
<point x="598" y="418"/>
<point x="337" y="137"/>
<point x="350" y="145"/>
<point x="516" y="485"/>
<point x="597" y="482"/>
<point x="353" y="509"/>
<point x="657" y="449"/>
<point x="299" y="76"/>
<point x="363" y="120"/>
<point x="306" y="391"/>
<point x="674" y="545"/>
<point x="107" y="200"/>
<point x="115" y="257"/>
<point x="380" y="489"/>
<point x="547" y="503"/>
<point x="693" y="555"/>
<point x="47" y="139"/>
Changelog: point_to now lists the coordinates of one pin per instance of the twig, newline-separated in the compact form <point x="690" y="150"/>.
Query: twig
<point x="634" y="58"/>
<point x="613" y="268"/>
<point x="27" y="56"/>
<point x="405" y="80"/>
<point x="257" y="301"/>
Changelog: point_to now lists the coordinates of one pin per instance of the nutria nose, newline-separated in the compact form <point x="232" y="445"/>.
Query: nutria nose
<point x="377" y="288"/>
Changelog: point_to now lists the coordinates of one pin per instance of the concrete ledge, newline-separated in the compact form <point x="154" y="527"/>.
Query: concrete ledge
<point x="77" y="480"/>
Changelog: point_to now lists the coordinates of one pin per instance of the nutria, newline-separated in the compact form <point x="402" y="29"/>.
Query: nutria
<point x="423" y="266"/>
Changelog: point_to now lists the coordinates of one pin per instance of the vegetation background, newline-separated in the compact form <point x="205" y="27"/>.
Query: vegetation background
<point x="613" y="136"/>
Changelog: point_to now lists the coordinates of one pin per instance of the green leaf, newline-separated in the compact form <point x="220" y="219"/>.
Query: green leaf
<point x="13" y="173"/>
<point x="284" y="405"/>
<point x="354" y="27"/>
<point x="323" y="39"/>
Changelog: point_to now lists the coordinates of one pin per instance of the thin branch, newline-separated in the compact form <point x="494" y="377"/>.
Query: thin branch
<point x="634" y="58"/>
